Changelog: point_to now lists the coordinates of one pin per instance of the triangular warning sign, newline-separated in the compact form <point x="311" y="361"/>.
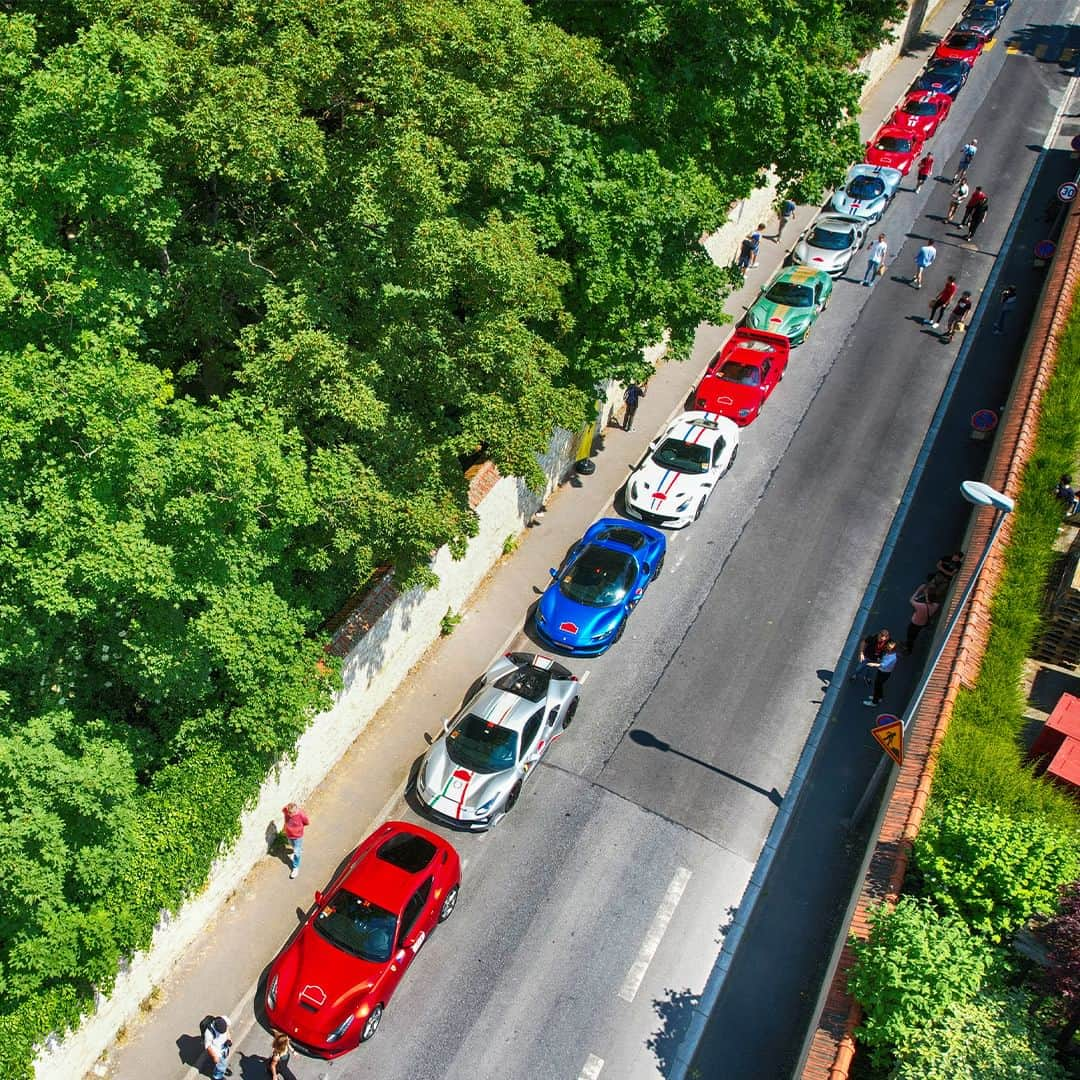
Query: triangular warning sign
<point x="891" y="737"/>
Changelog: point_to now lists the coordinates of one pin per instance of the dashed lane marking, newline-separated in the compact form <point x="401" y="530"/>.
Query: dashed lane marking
<point x="591" y="1069"/>
<point x="632" y="982"/>
<point x="585" y="678"/>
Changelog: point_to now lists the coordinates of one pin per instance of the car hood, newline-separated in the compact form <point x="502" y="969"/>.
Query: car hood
<point x="318" y="986"/>
<point x="766" y="315"/>
<point x="821" y="258"/>
<point x="893" y="158"/>
<point x="574" y="625"/>
<point x="455" y="791"/>
<point x="726" y="397"/>
<point x="661" y="490"/>
<point x="863" y="208"/>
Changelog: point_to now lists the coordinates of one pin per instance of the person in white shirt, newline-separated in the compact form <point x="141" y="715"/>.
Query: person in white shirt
<point x="218" y="1044"/>
<point x="879" y="249"/>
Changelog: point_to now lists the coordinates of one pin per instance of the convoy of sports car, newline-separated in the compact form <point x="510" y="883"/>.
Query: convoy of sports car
<point x="329" y="986"/>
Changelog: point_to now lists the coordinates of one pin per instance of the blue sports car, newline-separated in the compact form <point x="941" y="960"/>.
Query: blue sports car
<point x="944" y="76"/>
<point x="585" y="608"/>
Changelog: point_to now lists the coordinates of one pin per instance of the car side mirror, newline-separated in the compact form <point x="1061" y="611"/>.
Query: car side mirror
<point x="319" y="897"/>
<point x="428" y="739"/>
<point x="552" y="571"/>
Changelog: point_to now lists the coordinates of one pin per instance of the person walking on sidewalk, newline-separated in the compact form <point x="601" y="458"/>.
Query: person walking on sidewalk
<point x="870" y="653"/>
<point x="978" y="197"/>
<point x="978" y="215"/>
<point x="785" y="214"/>
<point x="886" y="666"/>
<point x="939" y="305"/>
<point x="879" y="250"/>
<point x="755" y="243"/>
<point x="925" y="604"/>
<point x="632" y="397"/>
<point x="958" y="194"/>
<point x="277" y="1062"/>
<point x="746" y="254"/>
<point x="967" y="156"/>
<point x="924" y="259"/>
<point x="1006" y="302"/>
<point x="296" y="821"/>
<point x="217" y="1044"/>
<point x="925" y="170"/>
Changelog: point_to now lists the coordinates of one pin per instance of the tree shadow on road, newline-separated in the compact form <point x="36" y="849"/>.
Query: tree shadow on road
<point x="675" y="1012"/>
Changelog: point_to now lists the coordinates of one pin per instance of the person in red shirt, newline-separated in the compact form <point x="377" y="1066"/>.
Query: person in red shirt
<point x="295" y="823"/>
<point x="925" y="170"/>
<point x="978" y="197"/>
<point x="941" y="302"/>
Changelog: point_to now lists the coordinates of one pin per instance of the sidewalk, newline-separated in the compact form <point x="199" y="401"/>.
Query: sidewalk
<point x="221" y="973"/>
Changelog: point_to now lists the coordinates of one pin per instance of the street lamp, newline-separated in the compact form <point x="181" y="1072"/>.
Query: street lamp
<point x="979" y="494"/>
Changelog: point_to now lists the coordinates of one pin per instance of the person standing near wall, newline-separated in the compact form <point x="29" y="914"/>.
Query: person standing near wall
<point x="296" y="821"/>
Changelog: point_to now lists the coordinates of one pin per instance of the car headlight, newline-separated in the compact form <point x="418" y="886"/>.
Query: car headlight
<point x="421" y="777"/>
<point x="340" y="1029"/>
<point x="481" y="810"/>
<point x="633" y="490"/>
<point x="540" y="617"/>
<point x="604" y="633"/>
<point x="745" y="412"/>
<point x="271" y="993"/>
<point x="683" y="506"/>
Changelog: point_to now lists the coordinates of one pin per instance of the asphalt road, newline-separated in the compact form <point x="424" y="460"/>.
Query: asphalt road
<point x="591" y="918"/>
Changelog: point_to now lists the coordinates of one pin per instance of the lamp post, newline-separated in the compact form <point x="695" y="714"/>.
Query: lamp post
<point x="979" y="494"/>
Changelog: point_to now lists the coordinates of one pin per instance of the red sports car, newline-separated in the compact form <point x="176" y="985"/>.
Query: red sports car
<point x="922" y="111"/>
<point x="961" y="45"/>
<point x="743" y="374"/>
<point x="896" y="147"/>
<point x="328" y="987"/>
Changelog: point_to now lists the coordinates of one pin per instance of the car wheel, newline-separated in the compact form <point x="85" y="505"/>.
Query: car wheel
<point x="734" y="455"/>
<point x="512" y="798"/>
<point x="371" y="1025"/>
<point x="655" y="574"/>
<point x="568" y="719"/>
<point x="619" y="632"/>
<point x="700" y="509"/>
<point x="448" y="905"/>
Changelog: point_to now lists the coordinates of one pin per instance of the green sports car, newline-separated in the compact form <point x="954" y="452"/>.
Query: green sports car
<point x="791" y="302"/>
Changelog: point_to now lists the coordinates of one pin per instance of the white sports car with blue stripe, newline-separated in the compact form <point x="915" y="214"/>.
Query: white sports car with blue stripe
<point x="867" y="191"/>
<point x="680" y="469"/>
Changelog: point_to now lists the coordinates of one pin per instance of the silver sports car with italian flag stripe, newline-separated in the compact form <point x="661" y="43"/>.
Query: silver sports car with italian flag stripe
<point x="473" y="773"/>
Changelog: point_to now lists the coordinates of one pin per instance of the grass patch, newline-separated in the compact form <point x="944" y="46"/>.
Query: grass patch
<point x="982" y="754"/>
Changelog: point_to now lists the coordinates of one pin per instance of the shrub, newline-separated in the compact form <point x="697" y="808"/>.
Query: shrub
<point x="989" y="1038"/>
<point x="992" y="869"/>
<point x="1062" y="936"/>
<point x="914" y="966"/>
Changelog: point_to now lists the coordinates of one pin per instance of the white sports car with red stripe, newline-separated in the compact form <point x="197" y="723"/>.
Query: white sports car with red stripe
<point x="473" y="773"/>
<point x="679" y="472"/>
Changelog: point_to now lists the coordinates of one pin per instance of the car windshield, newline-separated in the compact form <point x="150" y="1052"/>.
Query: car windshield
<point x="946" y="67"/>
<point x="829" y="240"/>
<point x="682" y="456"/>
<point x="743" y="374"/>
<point x="920" y="108"/>
<point x="866" y="187"/>
<point x="984" y="18"/>
<point x="790" y="294"/>
<point x="599" y="577"/>
<point x="482" y="746"/>
<point x="893" y="144"/>
<point x="963" y="42"/>
<point x="357" y="926"/>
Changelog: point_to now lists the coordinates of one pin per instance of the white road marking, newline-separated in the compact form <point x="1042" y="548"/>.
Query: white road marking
<point x="585" y="678"/>
<point x="591" y="1069"/>
<point x="465" y="863"/>
<point x="632" y="982"/>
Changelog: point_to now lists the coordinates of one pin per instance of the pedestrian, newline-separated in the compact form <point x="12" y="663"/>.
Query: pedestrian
<point x="875" y="265"/>
<point x="217" y="1044"/>
<point x="755" y="242"/>
<point x="978" y="196"/>
<point x="1067" y="494"/>
<point x="746" y="254"/>
<point x="786" y="213"/>
<point x="959" y="317"/>
<point x="886" y="666"/>
<point x="925" y="170"/>
<point x="632" y="397"/>
<point x="949" y="565"/>
<point x="939" y="305"/>
<point x="279" y="1054"/>
<point x="295" y="823"/>
<point x="924" y="259"/>
<point x="978" y="215"/>
<point x="1006" y="302"/>
<point x="870" y="652"/>
<point x="958" y="194"/>
<point x="967" y="156"/>
<point x="925" y="604"/>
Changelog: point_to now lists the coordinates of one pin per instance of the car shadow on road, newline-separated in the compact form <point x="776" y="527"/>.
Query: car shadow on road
<point x="651" y="742"/>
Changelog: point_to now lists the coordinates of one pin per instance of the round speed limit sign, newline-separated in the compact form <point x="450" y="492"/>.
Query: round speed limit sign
<point x="1067" y="191"/>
